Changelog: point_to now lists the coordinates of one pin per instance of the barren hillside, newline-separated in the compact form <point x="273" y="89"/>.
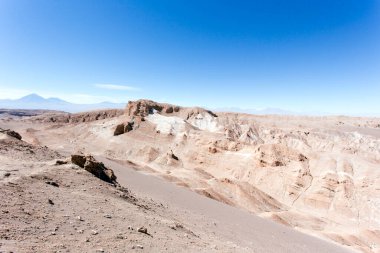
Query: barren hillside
<point x="318" y="175"/>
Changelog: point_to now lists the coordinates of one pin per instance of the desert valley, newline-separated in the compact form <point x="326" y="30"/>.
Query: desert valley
<point x="189" y="126"/>
<point x="159" y="177"/>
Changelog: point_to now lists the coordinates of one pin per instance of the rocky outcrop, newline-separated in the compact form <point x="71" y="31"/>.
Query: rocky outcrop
<point x="277" y="155"/>
<point x="243" y="133"/>
<point x="95" y="115"/>
<point x="11" y="133"/>
<point x="124" y="128"/>
<point x="78" y="159"/>
<point x="169" y="119"/>
<point x="224" y="144"/>
<point x="195" y="111"/>
<point x="78" y="117"/>
<point x="96" y="168"/>
<point x="169" y="159"/>
<point x="119" y="129"/>
<point x="143" y="108"/>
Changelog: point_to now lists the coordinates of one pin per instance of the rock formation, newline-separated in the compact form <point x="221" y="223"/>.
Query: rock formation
<point x="143" y="108"/>
<point x="11" y="133"/>
<point x="98" y="169"/>
<point x="125" y="127"/>
<point x="78" y="117"/>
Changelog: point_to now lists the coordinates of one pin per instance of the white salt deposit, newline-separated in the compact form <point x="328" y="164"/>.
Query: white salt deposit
<point x="167" y="125"/>
<point x="175" y="125"/>
<point x="206" y="122"/>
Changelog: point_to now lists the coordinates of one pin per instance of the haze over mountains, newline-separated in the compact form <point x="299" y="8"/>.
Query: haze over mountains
<point x="37" y="102"/>
<point x="34" y="101"/>
<point x="263" y="111"/>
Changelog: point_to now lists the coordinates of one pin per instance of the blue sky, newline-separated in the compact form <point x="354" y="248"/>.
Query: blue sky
<point x="321" y="55"/>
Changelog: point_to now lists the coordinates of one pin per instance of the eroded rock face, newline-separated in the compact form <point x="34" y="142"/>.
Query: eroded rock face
<point x="124" y="128"/>
<point x="119" y="129"/>
<point x="89" y="163"/>
<point x="78" y="117"/>
<point x="277" y="155"/>
<point x="11" y="133"/>
<point x="78" y="159"/>
<point x="143" y="108"/>
<point x="138" y="110"/>
<point x="243" y="133"/>
<point x="225" y="145"/>
<point x="172" y="118"/>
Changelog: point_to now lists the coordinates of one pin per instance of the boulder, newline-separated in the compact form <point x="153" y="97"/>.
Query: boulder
<point x="96" y="168"/>
<point x="173" y="156"/>
<point x="78" y="159"/>
<point x="11" y="133"/>
<point x="302" y="158"/>
<point x="129" y="127"/>
<point x="124" y="128"/>
<point x="169" y="109"/>
<point x="212" y="150"/>
<point x="119" y="129"/>
<point x="14" y="134"/>
<point x="143" y="230"/>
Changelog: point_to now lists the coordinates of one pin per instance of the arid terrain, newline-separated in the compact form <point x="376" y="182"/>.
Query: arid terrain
<point x="198" y="181"/>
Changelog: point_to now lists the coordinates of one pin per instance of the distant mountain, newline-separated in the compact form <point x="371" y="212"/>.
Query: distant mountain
<point x="264" y="111"/>
<point x="34" y="101"/>
<point x="277" y="111"/>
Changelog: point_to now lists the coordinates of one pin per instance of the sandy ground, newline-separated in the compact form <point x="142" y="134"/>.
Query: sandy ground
<point x="317" y="175"/>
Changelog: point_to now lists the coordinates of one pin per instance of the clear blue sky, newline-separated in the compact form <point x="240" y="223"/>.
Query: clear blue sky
<point x="315" y="55"/>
